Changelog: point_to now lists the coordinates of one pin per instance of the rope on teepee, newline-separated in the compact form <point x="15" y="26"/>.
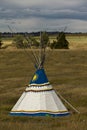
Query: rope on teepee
<point x="68" y="103"/>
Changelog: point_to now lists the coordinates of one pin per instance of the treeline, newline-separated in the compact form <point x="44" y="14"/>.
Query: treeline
<point x="9" y="34"/>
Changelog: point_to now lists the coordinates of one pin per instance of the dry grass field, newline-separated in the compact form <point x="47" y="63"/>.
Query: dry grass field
<point x="66" y="70"/>
<point x="75" y="42"/>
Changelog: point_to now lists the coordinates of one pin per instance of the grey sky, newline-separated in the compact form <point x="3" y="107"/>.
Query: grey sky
<point x="36" y="15"/>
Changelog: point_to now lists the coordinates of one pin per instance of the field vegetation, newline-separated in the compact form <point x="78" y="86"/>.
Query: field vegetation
<point x="75" y="41"/>
<point x="66" y="70"/>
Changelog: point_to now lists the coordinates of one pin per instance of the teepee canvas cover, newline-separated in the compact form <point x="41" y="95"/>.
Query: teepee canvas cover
<point x="39" y="97"/>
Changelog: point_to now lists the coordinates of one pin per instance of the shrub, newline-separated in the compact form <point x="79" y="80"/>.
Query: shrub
<point x="19" y="42"/>
<point x="61" y="42"/>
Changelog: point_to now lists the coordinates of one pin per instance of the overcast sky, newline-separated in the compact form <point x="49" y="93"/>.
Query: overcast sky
<point x="37" y="15"/>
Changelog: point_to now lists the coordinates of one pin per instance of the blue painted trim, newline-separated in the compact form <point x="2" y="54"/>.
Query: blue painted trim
<point x="39" y="114"/>
<point x="39" y="77"/>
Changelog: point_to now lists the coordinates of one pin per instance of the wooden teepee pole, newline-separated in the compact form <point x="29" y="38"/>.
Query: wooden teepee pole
<point x="68" y="103"/>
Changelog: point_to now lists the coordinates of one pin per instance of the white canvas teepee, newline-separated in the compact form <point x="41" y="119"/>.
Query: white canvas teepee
<point x="39" y="97"/>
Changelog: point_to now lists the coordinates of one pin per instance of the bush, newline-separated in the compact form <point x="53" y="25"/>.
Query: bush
<point x="61" y="42"/>
<point x="19" y="42"/>
<point x="24" y="42"/>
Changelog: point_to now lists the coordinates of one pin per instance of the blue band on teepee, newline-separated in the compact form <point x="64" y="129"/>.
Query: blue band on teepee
<point x="39" y="77"/>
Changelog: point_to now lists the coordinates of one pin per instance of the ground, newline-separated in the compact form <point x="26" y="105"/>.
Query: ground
<point x="67" y="72"/>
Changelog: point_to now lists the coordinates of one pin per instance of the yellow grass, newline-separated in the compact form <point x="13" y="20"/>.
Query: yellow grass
<point x="7" y="42"/>
<point x="77" y="42"/>
<point x="67" y="72"/>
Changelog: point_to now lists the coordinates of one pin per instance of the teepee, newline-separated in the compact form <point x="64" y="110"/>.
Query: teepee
<point x="39" y="97"/>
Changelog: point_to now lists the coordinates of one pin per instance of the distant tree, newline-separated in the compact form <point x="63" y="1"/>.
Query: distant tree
<point x="61" y="42"/>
